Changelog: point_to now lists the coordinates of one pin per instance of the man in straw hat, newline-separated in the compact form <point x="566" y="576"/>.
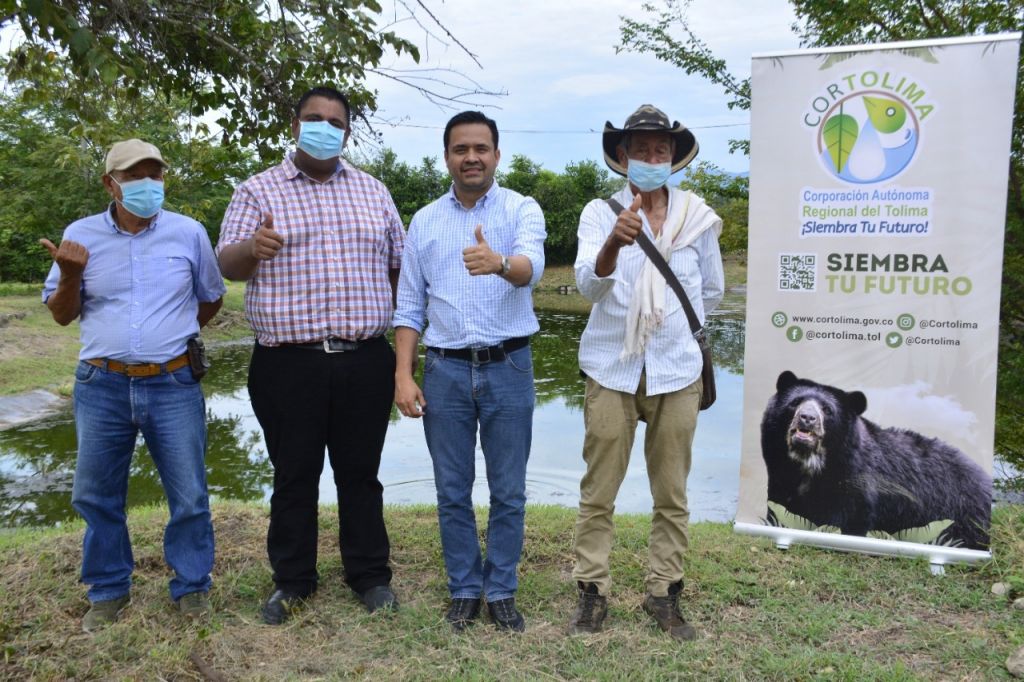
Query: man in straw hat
<point x="640" y="358"/>
<point x="143" y="281"/>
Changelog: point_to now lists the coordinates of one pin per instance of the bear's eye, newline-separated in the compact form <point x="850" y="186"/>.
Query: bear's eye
<point x="827" y="409"/>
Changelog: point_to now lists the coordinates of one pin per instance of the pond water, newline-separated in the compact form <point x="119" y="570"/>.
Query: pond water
<point x="37" y="460"/>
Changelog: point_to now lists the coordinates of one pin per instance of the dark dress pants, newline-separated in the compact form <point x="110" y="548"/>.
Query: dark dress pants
<point x="305" y="400"/>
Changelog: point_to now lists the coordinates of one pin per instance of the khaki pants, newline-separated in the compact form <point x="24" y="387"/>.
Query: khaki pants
<point x="611" y="418"/>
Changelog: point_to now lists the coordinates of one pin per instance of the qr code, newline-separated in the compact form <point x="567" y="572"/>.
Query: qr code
<point x="797" y="272"/>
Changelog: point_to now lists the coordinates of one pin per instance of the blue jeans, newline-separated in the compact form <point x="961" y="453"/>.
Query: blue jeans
<point x="169" y="409"/>
<point x="500" y="396"/>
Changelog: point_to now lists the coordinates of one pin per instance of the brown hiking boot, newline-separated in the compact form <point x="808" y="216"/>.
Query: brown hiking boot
<point x="103" y="613"/>
<point x="590" y="611"/>
<point x="665" y="611"/>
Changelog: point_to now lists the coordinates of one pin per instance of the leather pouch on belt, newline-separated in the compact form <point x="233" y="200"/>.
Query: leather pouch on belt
<point x="197" y="359"/>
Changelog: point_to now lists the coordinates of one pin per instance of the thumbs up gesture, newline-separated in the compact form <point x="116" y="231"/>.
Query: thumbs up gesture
<point x="265" y="241"/>
<point x="627" y="225"/>
<point x="70" y="257"/>
<point x="479" y="259"/>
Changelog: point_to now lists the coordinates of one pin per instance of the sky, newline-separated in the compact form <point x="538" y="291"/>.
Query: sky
<point x="556" y="60"/>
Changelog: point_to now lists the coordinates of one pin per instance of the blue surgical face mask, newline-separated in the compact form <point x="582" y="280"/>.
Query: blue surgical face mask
<point x="320" y="139"/>
<point x="143" y="198"/>
<point x="648" y="177"/>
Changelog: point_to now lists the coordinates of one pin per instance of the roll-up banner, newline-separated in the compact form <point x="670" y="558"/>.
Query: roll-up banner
<point x="878" y="179"/>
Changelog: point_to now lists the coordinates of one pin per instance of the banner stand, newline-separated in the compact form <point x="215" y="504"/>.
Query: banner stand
<point x="938" y="556"/>
<point x="878" y="190"/>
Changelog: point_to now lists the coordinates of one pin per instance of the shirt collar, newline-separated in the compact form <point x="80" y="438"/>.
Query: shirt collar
<point x="291" y="171"/>
<point x="488" y="196"/>
<point x="108" y="219"/>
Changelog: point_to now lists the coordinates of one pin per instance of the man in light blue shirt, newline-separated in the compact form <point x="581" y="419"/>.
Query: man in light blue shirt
<point x="143" y="281"/>
<point x="471" y="259"/>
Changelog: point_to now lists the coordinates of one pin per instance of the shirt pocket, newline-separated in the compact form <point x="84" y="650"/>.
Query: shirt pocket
<point x="168" y="274"/>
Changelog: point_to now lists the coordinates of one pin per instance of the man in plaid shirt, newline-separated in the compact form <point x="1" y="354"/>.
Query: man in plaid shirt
<point x="319" y="244"/>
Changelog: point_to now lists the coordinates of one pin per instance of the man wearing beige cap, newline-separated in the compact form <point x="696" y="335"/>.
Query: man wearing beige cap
<point x="142" y="281"/>
<point x="640" y="357"/>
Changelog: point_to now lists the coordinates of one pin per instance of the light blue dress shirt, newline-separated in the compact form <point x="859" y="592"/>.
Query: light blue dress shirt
<point x="141" y="292"/>
<point x="466" y="311"/>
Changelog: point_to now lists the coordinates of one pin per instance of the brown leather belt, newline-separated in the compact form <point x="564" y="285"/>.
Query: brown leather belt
<point x="147" y="369"/>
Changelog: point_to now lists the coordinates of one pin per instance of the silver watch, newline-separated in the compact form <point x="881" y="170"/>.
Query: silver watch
<point x="506" y="266"/>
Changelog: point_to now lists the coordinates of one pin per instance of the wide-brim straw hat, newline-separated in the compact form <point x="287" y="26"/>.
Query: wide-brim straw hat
<point x="649" y="118"/>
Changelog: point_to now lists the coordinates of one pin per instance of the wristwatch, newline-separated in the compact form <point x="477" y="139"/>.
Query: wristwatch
<point x="506" y="266"/>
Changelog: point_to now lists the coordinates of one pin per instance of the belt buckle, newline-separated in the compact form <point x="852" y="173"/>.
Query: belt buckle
<point x="480" y="356"/>
<point x="339" y="345"/>
<point x="139" y="370"/>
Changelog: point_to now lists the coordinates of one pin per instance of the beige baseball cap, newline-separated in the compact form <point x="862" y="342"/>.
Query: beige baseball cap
<point x="125" y="154"/>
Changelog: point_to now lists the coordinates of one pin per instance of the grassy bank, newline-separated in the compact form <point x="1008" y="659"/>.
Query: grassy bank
<point x="35" y="352"/>
<point x="762" y="613"/>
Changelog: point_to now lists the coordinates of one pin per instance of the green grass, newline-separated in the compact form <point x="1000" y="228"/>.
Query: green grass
<point x="762" y="614"/>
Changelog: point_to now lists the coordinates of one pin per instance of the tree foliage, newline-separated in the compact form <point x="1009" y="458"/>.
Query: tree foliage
<point x="51" y="162"/>
<point x="687" y="51"/>
<point x="727" y="194"/>
<point x="821" y="23"/>
<point x="248" y="60"/>
<point x="561" y="196"/>
<point x="411" y="187"/>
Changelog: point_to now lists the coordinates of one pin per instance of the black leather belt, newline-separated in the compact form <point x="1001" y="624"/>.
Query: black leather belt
<point x="480" y="356"/>
<point x="334" y="345"/>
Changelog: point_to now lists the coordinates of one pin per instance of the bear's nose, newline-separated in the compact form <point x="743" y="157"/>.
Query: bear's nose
<point x="807" y="420"/>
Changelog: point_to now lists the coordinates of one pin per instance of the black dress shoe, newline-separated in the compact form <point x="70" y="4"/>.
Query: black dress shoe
<point x="505" y="615"/>
<point x="280" y="606"/>
<point x="379" y="597"/>
<point x="462" y="613"/>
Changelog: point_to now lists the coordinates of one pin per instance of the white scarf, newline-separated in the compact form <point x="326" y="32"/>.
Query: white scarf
<point x="685" y="221"/>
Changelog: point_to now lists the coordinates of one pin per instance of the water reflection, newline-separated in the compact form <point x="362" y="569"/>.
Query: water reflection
<point x="37" y="460"/>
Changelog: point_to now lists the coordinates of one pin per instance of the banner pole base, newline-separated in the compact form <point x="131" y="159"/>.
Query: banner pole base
<point x="937" y="555"/>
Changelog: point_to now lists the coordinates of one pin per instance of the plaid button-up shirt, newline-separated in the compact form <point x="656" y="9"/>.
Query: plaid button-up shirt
<point x="341" y="238"/>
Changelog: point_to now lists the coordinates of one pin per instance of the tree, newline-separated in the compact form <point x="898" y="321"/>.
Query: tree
<point x="249" y="59"/>
<point x="728" y="195"/>
<point x="51" y="162"/>
<point x="411" y="188"/>
<point x="561" y="196"/>
<point x="688" y="52"/>
<point x="823" y="23"/>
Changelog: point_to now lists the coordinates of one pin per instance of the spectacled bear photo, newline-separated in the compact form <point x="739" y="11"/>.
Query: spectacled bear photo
<point x="831" y="466"/>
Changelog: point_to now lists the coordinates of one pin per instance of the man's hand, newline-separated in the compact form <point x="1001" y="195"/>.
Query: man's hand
<point x="408" y="397"/>
<point x="480" y="259"/>
<point x="265" y="242"/>
<point x="627" y="226"/>
<point x="70" y="257"/>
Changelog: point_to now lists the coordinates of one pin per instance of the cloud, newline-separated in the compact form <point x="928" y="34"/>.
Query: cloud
<point x="588" y="85"/>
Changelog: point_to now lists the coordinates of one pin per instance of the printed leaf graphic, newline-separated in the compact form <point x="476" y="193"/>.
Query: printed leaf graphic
<point x="923" y="53"/>
<point x="787" y="519"/>
<point x="925" y="535"/>
<point x="840" y="133"/>
<point x="833" y="59"/>
<point x="887" y="115"/>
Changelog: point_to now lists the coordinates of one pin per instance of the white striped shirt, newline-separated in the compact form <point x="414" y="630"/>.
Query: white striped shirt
<point x="671" y="356"/>
<point x="466" y="311"/>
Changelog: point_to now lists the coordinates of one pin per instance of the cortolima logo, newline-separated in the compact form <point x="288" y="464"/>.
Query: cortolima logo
<point x="870" y="133"/>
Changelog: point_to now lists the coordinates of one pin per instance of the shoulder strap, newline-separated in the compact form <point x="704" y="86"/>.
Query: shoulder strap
<point x="659" y="262"/>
